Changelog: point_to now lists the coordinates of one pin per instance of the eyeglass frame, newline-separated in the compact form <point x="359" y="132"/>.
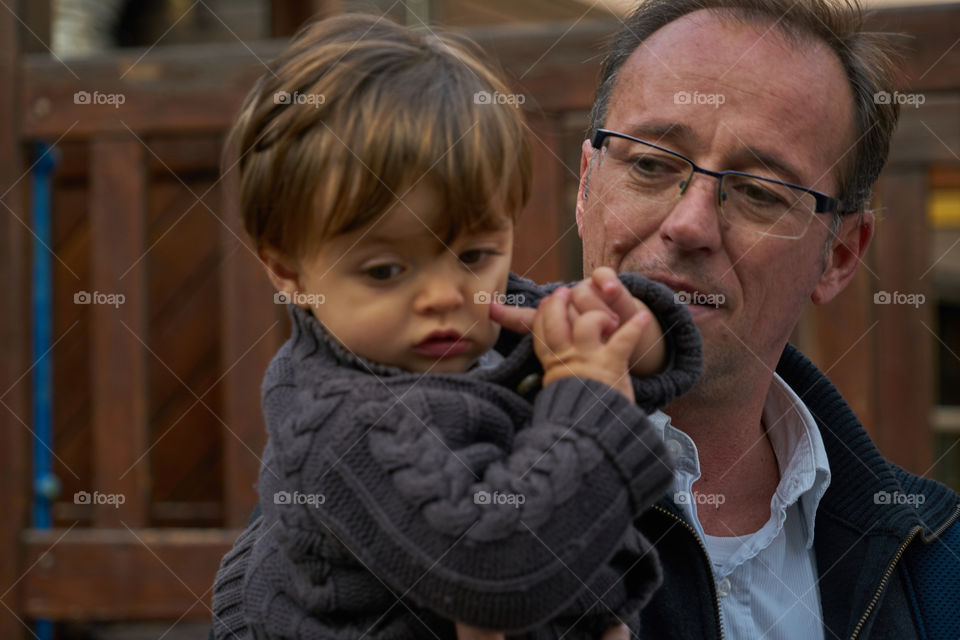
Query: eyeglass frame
<point x="824" y="203"/>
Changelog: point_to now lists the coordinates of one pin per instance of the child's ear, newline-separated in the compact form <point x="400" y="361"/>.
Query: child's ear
<point x="281" y="270"/>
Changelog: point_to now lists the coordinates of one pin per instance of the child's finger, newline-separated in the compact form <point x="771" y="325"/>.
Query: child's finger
<point x="517" y="319"/>
<point x="586" y="296"/>
<point x="551" y="324"/>
<point x="613" y="292"/>
<point x="591" y="327"/>
<point x="630" y="332"/>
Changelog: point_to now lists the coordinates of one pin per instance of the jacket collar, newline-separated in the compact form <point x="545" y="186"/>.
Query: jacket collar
<point x="866" y="491"/>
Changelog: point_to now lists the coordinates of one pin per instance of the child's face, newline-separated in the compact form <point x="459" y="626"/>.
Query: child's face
<point x="395" y="294"/>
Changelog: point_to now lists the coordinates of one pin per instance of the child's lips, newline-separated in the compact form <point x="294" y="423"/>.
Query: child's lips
<point x="442" y="344"/>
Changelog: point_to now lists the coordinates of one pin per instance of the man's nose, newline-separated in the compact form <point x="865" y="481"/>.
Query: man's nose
<point x="439" y="292"/>
<point x="692" y="223"/>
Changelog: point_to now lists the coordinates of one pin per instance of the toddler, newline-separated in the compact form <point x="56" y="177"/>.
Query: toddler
<point x="423" y="467"/>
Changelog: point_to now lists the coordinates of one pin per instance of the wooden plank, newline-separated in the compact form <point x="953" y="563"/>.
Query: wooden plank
<point x="148" y="91"/>
<point x="122" y="574"/>
<point x="903" y="345"/>
<point x="252" y="331"/>
<point x="537" y="253"/>
<point x="15" y="485"/>
<point x="838" y="338"/>
<point x="932" y="48"/>
<point x="929" y="134"/>
<point x="168" y="91"/>
<point x="287" y="16"/>
<point x="119" y="358"/>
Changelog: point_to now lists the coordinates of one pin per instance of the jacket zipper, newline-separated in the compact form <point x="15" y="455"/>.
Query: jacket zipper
<point x="893" y="563"/>
<point x="718" y="615"/>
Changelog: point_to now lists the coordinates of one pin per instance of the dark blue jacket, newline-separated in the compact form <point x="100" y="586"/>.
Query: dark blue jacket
<point x="887" y="571"/>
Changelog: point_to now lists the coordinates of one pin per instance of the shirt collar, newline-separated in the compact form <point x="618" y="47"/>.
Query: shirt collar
<point x="798" y="445"/>
<point x="796" y="441"/>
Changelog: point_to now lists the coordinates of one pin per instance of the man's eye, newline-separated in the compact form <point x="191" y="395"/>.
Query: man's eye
<point x="650" y="165"/>
<point x="384" y="271"/>
<point x="758" y="195"/>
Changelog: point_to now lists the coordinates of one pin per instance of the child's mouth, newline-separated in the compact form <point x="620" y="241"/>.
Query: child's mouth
<point x="442" y="344"/>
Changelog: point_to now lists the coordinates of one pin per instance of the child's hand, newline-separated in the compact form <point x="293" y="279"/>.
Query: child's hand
<point x="574" y="344"/>
<point x="603" y="291"/>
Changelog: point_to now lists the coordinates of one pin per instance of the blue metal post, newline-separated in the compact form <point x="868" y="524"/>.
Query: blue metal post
<point x="46" y="484"/>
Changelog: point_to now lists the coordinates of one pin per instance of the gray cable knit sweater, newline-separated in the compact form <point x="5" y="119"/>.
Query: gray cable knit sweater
<point x="393" y="502"/>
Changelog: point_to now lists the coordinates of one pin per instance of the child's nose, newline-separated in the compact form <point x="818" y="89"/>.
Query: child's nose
<point x="439" y="293"/>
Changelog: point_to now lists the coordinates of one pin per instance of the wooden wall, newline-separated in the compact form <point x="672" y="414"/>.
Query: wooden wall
<point x="158" y="399"/>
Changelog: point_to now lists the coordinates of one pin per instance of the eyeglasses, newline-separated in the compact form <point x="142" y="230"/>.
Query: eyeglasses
<point x="657" y="176"/>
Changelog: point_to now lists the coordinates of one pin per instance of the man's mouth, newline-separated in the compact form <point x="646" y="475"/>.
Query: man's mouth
<point x="443" y="344"/>
<point x="697" y="299"/>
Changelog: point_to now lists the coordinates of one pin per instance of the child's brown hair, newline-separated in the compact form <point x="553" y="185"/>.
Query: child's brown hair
<point x="356" y="111"/>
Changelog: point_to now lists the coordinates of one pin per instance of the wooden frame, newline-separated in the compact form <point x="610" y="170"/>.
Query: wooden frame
<point x="163" y="572"/>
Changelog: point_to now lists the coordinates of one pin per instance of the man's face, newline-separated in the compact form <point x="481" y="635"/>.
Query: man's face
<point x="729" y="95"/>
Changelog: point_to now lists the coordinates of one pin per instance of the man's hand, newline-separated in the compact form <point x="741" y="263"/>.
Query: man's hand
<point x="573" y="344"/>
<point x="603" y="291"/>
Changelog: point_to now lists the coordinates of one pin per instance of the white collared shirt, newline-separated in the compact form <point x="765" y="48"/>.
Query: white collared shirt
<point x="766" y="581"/>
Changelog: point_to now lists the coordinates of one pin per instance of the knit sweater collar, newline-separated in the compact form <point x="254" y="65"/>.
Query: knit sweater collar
<point x="309" y="339"/>
<point x="862" y="478"/>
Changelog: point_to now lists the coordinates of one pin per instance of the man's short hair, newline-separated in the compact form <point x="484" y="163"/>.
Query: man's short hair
<point x="867" y="58"/>
<point x="356" y="111"/>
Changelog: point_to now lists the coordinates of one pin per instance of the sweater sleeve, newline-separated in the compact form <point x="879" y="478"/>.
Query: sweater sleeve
<point x="684" y="348"/>
<point x="437" y="492"/>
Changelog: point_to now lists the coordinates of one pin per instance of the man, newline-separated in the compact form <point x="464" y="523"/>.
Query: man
<point x="785" y="521"/>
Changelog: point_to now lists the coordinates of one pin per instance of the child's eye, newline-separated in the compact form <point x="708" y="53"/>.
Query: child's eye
<point x="384" y="271"/>
<point x="474" y="256"/>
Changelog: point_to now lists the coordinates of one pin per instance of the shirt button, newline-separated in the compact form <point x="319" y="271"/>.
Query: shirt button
<point x="723" y="587"/>
<point x="675" y="448"/>
<point x="528" y="384"/>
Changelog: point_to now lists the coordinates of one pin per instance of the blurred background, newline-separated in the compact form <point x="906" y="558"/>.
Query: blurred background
<point x="137" y="322"/>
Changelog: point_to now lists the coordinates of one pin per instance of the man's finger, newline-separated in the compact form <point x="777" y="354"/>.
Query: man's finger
<point x="517" y="319"/>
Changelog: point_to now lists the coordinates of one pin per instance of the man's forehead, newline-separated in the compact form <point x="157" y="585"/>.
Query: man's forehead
<point x="708" y="78"/>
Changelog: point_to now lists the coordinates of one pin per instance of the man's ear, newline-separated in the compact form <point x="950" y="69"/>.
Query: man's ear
<point x="847" y="251"/>
<point x="586" y="152"/>
<point x="281" y="270"/>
